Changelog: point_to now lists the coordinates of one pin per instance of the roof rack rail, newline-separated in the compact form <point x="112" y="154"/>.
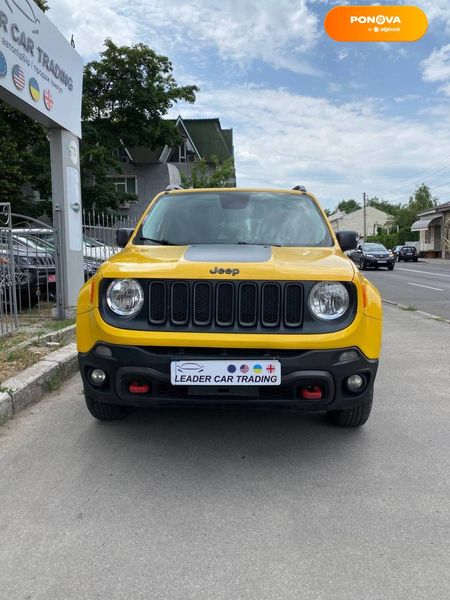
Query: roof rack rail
<point x="169" y="188"/>
<point x="299" y="188"/>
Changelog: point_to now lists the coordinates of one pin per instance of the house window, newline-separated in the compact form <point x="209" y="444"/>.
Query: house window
<point x="182" y="152"/>
<point x="125" y="184"/>
<point x="186" y="152"/>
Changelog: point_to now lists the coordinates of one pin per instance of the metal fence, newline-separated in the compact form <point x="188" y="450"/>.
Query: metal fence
<point x="101" y="227"/>
<point x="30" y="262"/>
<point x="29" y="268"/>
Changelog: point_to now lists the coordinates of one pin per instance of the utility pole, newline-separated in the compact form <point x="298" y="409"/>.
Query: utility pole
<point x="364" y="216"/>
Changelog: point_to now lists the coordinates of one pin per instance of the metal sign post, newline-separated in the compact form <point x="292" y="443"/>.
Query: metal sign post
<point x="64" y="154"/>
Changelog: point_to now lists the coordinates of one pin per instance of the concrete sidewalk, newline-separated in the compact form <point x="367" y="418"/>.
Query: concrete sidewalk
<point x="436" y="261"/>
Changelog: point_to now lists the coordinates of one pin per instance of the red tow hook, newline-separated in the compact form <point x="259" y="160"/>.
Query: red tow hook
<point x="138" y="388"/>
<point x="312" y="392"/>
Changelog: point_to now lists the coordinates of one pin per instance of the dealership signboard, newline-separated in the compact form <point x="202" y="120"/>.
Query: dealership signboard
<point x="40" y="73"/>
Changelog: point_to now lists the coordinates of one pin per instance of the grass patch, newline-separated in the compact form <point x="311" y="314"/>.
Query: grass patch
<point x="22" y="358"/>
<point x="410" y="308"/>
<point x="57" y="325"/>
<point x="13" y="361"/>
<point x="13" y="339"/>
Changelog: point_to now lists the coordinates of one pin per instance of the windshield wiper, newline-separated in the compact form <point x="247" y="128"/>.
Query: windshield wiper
<point x="162" y="242"/>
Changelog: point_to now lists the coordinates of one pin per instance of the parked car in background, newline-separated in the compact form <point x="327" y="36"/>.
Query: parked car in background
<point x="91" y="248"/>
<point x="34" y="267"/>
<point x="372" y="254"/>
<point x="94" y="252"/>
<point x="405" y="253"/>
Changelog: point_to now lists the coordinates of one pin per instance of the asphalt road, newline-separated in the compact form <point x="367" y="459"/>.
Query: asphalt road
<point x="421" y="285"/>
<point x="210" y="505"/>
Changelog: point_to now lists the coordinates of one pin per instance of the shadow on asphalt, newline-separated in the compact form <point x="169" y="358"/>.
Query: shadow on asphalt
<point x="184" y="440"/>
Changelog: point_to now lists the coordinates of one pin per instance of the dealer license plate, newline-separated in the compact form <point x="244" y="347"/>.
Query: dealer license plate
<point x="225" y="372"/>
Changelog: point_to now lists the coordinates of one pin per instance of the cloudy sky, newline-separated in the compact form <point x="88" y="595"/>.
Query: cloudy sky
<point x="340" y="118"/>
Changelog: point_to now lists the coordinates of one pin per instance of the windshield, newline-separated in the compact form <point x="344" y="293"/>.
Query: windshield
<point x="271" y="218"/>
<point x="375" y="248"/>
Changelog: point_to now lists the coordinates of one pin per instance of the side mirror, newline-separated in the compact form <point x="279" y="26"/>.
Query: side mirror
<point x="123" y="236"/>
<point x="348" y="240"/>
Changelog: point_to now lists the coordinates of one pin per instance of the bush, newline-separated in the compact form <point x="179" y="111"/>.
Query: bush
<point x="389" y="240"/>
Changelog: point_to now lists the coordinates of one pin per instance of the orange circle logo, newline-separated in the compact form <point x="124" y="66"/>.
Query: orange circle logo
<point x="376" y="23"/>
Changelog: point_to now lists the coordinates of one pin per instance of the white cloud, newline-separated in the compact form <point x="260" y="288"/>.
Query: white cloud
<point x="437" y="66"/>
<point x="91" y="22"/>
<point x="336" y="150"/>
<point x="277" y="32"/>
<point x="274" y="31"/>
<point x="436" y="10"/>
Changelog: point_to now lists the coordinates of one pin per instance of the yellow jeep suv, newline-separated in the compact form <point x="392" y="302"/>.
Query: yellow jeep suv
<point x="231" y="296"/>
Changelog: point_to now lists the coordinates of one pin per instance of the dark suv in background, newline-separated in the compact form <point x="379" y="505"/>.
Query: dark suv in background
<point x="406" y="253"/>
<point x="372" y="254"/>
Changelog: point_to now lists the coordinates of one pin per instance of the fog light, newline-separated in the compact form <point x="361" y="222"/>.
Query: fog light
<point x="98" y="377"/>
<point x="355" y="382"/>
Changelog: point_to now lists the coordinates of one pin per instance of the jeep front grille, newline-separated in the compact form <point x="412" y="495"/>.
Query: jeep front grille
<point x="220" y="305"/>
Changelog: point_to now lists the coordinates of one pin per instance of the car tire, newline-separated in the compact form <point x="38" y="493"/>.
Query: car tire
<point x="106" y="412"/>
<point x="415" y="260"/>
<point x="390" y="267"/>
<point x="352" y="417"/>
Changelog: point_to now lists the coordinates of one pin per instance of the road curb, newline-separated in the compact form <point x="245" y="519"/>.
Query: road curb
<point x="417" y="311"/>
<point x="30" y="385"/>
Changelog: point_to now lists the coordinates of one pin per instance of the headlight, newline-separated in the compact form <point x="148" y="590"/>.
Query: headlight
<point x="328" y="300"/>
<point x="125" y="297"/>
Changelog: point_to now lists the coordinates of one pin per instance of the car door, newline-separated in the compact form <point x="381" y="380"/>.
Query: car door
<point x="356" y="254"/>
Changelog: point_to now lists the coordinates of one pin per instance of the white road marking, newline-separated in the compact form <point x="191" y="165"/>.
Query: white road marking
<point x="426" y="286"/>
<point x="424" y="272"/>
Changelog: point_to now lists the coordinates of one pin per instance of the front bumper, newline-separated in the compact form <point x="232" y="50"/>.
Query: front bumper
<point x="373" y="261"/>
<point x="299" y="368"/>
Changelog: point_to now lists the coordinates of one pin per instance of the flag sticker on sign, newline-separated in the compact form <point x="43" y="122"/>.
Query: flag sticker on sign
<point x="35" y="90"/>
<point x="18" y="77"/>
<point x="48" y="100"/>
<point x="3" y="65"/>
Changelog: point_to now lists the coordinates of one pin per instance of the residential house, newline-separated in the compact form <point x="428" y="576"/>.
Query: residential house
<point x="146" y="172"/>
<point x="375" y="219"/>
<point x="434" y="227"/>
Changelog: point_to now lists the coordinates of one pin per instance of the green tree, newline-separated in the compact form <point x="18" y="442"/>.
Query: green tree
<point x="348" y="206"/>
<point x="201" y="178"/>
<point x="387" y="207"/>
<point x="404" y="215"/>
<point x="127" y="92"/>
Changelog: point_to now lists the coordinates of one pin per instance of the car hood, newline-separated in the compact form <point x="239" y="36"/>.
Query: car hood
<point x="376" y="253"/>
<point x="242" y="262"/>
